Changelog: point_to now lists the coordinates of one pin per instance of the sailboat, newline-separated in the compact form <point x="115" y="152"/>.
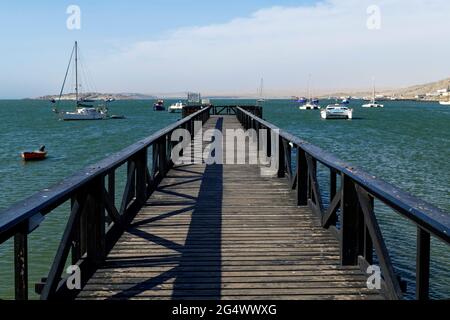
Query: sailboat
<point x="373" y="103"/>
<point x="311" y="104"/>
<point x="84" y="109"/>
<point x="260" y="92"/>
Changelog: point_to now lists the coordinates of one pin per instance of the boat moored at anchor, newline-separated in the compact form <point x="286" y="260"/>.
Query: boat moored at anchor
<point x="176" y="107"/>
<point x="84" y="108"/>
<point x="159" y="105"/>
<point x="336" y="111"/>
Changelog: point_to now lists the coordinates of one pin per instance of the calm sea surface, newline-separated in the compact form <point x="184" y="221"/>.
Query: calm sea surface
<point x="406" y="143"/>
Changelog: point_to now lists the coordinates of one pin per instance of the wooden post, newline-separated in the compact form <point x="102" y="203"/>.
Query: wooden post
<point x="352" y="221"/>
<point x="96" y="246"/>
<point x="332" y="184"/>
<point x="112" y="185"/>
<point x="77" y="234"/>
<point x="154" y="159"/>
<point x="368" y="244"/>
<point x="302" y="178"/>
<point x="281" y="158"/>
<point x="21" y="264"/>
<point x="422" y="264"/>
<point x="83" y="230"/>
<point x="162" y="156"/>
<point x="141" y="177"/>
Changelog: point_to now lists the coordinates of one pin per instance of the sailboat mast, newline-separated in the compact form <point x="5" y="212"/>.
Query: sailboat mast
<point x="373" y="92"/>
<point x="76" y="71"/>
<point x="309" y="88"/>
<point x="261" y="88"/>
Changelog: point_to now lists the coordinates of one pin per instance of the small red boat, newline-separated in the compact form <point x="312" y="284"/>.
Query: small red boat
<point x="40" y="154"/>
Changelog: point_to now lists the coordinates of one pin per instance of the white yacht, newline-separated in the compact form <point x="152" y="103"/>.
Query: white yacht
<point x="311" y="104"/>
<point x="261" y="92"/>
<point x="373" y="103"/>
<point x="176" y="107"/>
<point x="84" y="109"/>
<point x="84" y="114"/>
<point x="336" y="111"/>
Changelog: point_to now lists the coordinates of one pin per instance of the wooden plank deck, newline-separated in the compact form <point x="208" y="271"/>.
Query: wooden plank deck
<point x="225" y="232"/>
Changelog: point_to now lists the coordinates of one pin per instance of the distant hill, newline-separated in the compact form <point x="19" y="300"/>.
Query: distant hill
<point x="407" y="93"/>
<point x="423" y="89"/>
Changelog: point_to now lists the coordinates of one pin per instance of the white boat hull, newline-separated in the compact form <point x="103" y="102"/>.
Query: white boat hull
<point x="337" y="113"/>
<point x="310" y="107"/>
<point x="373" y="105"/>
<point x="83" y="114"/>
<point x="444" y="103"/>
<point x="175" y="108"/>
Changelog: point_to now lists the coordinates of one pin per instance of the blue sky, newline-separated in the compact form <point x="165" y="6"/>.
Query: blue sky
<point x="159" y="46"/>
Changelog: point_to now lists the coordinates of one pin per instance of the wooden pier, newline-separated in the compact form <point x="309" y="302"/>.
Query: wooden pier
<point x="222" y="231"/>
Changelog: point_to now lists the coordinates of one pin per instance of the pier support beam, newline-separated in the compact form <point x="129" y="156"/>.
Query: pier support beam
<point x="352" y="226"/>
<point x="302" y="178"/>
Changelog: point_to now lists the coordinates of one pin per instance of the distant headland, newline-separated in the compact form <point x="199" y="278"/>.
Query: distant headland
<point x="433" y="91"/>
<point x="99" y="96"/>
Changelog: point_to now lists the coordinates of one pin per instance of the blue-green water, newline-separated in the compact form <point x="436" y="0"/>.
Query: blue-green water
<point x="406" y="143"/>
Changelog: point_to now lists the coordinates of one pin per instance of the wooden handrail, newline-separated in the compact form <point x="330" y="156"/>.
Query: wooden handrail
<point x="94" y="223"/>
<point x="422" y="213"/>
<point x="358" y="230"/>
<point x="47" y="200"/>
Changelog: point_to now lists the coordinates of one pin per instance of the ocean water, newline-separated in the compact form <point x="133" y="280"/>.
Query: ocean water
<point x="406" y="143"/>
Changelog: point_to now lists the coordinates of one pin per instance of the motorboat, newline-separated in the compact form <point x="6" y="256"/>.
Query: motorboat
<point x="159" y="106"/>
<point x="336" y="111"/>
<point x="40" y="154"/>
<point x="176" y="107"/>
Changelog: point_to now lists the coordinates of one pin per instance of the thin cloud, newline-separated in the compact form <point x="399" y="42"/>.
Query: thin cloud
<point x="284" y="44"/>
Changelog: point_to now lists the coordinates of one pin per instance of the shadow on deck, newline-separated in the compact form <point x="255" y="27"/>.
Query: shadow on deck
<point x="225" y="232"/>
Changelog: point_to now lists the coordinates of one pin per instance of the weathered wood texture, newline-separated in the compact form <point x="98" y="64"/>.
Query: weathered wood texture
<point x="225" y="232"/>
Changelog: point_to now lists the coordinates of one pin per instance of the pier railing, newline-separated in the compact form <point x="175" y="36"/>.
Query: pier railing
<point x="223" y="109"/>
<point x="95" y="222"/>
<point x="350" y="215"/>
